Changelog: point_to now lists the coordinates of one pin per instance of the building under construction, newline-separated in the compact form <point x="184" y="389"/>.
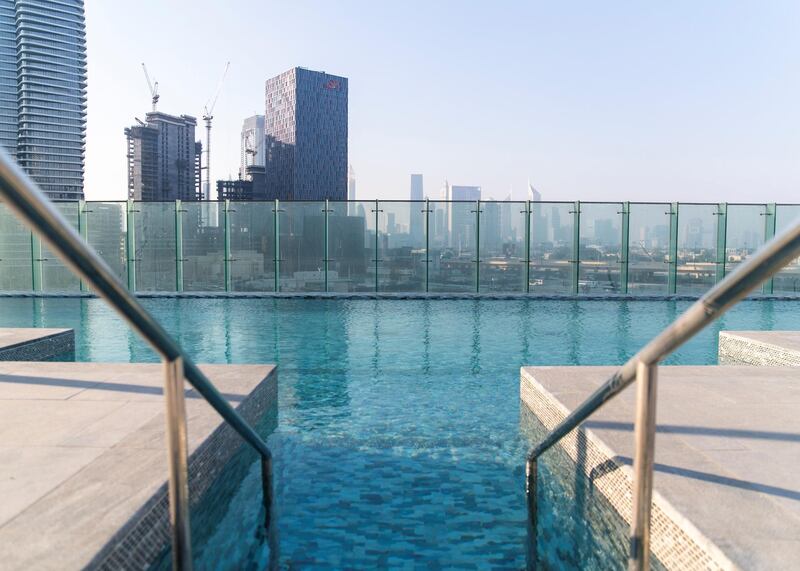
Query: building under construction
<point x="164" y="158"/>
<point x="251" y="187"/>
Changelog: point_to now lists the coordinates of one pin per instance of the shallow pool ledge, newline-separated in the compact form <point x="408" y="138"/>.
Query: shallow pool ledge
<point x="83" y="459"/>
<point x="726" y="488"/>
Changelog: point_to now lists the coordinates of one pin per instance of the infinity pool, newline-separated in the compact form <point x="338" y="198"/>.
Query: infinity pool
<point x="398" y="441"/>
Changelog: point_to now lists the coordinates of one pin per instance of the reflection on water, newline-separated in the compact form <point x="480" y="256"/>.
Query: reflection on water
<point x="398" y="440"/>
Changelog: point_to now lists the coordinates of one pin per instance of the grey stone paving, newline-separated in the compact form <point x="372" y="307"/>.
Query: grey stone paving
<point x="82" y="450"/>
<point x="726" y="450"/>
<point x="35" y="344"/>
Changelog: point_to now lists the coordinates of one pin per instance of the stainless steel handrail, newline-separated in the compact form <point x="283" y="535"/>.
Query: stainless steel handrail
<point x="24" y="197"/>
<point x="643" y="367"/>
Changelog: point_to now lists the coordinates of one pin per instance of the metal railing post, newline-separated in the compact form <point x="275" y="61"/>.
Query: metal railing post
<point x="226" y="229"/>
<point x="625" y="246"/>
<point x="528" y="246"/>
<point x="36" y="262"/>
<point x="672" y="262"/>
<point x="428" y="260"/>
<point x="325" y="245"/>
<point x="276" y="241"/>
<point x="178" y="246"/>
<point x="722" y="236"/>
<point x="130" y="244"/>
<point x="576" y="246"/>
<point x="769" y="233"/>
<point x="83" y="230"/>
<point x="178" y="463"/>
<point x="644" y="454"/>
<point x="477" y="246"/>
<point x="377" y="210"/>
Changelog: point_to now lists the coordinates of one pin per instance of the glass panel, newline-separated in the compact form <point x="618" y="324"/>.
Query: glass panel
<point x="552" y="233"/>
<point x="648" y="248"/>
<point x="15" y="253"/>
<point x="351" y="246"/>
<point x="203" y="232"/>
<point x="106" y="226"/>
<point x="787" y="281"/>
<point x="502" y="243"/>
<point x="252" y="246"/>
<point x="55" y="275"/>
<point x="302" y="240"/>
<point x="746" y="226"/>
<point x="154" y="235"/>
<point x="401" y="243"/>
<point x="697" y="248"/>
<point x="452" y="245"/>
<point x="600" y="247"/>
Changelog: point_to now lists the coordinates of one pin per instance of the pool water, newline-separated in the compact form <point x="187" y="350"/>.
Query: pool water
<point x="399" y="440"/>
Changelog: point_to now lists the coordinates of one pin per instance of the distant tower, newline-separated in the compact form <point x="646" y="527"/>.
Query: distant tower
<point x="252" y="144"/>
<point x="351" y="183"/>
<point x="533" y="194"/>
<point x="417" y="226"/>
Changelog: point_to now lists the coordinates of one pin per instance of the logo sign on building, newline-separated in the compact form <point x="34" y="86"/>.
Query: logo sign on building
<point x="332" y="84"/>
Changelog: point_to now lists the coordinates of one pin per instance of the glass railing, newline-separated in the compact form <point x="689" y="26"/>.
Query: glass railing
<point x="540" y="248"/>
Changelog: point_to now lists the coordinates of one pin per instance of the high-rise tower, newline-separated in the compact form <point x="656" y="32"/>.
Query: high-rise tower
<point x="306" y="135"/>
<point x="43" y="91"/>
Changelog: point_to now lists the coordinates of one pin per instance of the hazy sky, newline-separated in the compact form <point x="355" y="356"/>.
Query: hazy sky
<point x="617" y="100"/>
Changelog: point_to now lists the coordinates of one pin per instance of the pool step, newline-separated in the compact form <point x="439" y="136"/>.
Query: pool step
<point x="726" y="486"/>
<point x="82" y="462"/>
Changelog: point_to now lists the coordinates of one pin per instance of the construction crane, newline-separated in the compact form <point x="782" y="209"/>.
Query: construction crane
<point x="208" y="115"/>
<point x="153" y="87"/>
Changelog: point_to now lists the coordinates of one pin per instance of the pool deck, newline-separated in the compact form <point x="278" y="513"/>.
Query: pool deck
<point x="83" y="458"/>
<point x="27" y="344"/>
<point x="727" y="459"/>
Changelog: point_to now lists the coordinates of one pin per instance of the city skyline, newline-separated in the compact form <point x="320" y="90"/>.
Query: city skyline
<point x="634" y="102"/>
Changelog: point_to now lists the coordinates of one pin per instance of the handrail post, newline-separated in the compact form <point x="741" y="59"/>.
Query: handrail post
<point x="178" y="246"/>
<point x="377" y="244"/>
<point x="178" y="464"/>
<point x="36" y="262"/>
<point x="530" y="497"/>
<point x="644" y="454"/>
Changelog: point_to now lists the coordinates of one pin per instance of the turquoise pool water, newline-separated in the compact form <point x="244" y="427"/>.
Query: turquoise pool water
<point x="398" y="441"/>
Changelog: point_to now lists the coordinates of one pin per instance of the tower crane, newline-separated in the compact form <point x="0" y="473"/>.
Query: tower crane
<point x="208" y="115"/>
<point x="153" y="87"/>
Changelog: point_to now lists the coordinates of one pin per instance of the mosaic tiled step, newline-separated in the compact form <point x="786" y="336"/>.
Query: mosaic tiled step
<point x="763" y="348"/>
<point x="35" y="344"/>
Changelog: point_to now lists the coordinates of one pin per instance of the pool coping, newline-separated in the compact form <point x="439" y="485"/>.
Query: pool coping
<point x="390" y="295"/>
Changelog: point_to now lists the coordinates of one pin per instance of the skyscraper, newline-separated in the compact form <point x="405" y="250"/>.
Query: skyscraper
<point x="252" y="151"/>
<point x="43" y="91"/>
<point x="416" y="187"/>
<point x="163" y="158"/>
<point x="306" y="135"/>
